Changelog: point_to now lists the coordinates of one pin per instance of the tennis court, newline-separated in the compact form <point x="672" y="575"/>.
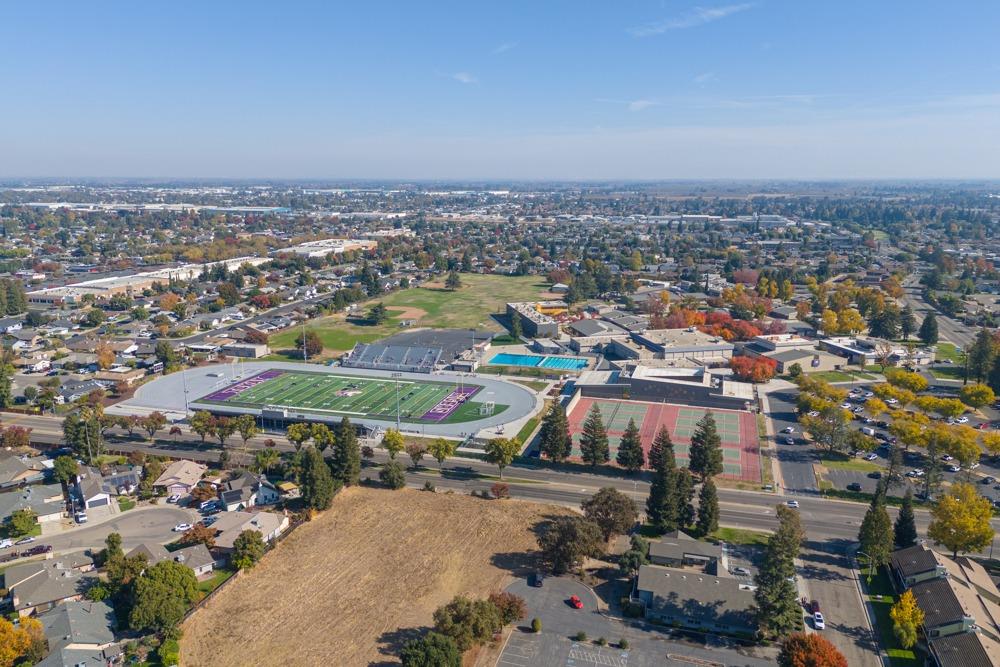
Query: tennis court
<point x="737" y="430"/>
<point x="353" y="396"/>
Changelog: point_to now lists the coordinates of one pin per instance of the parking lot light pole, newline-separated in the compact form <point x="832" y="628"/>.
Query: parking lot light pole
<point x="869" y="579"/>
<point x="396" y="376"/>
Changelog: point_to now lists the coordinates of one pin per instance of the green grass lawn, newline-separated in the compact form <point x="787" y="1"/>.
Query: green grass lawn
<point x="835" y="462"/>
<point x="740" y="536"/>
<point x="125" y="504"/>
<point x="948" y="351"/>
<point x="536" y="385"/>
<point x="880" y="585"/>
<point x="948" y="372"/>
<point x="841" y="376"/>
<point x="469" y="306"/>
<point x="218" y="577"/>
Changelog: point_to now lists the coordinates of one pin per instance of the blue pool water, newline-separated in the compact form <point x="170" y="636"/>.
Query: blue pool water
<point x="536" y="360"/>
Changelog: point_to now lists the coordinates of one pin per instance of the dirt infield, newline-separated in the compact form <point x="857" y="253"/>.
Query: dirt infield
<point x="352" y="585"/>
<point x="737" y="430"/>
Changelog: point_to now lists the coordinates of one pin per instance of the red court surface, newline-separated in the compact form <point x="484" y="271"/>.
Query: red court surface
<point x="737" y="430"/>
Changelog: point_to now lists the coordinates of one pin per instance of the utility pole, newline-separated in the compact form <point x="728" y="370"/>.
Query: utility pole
<point x="305" y="353"/>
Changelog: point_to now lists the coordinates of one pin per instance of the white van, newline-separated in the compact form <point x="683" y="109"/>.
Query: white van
<point x="867" y="430"/>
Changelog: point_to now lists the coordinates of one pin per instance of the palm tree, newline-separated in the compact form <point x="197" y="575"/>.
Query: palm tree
<point x="266" y="459"/>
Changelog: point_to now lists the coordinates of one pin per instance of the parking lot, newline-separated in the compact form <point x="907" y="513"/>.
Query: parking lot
<point x="865" y="478"/>
<point x="649" y="646"/>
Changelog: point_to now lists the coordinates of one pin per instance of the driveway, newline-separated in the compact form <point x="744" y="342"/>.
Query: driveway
<point x="649" y="646"/>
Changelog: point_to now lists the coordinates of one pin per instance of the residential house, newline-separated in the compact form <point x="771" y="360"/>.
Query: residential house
<point x="80" y="634"/>
<point x="230" y="524"/>
<point x="45" y="500"/>
<point x="179" y="477"/>
<point x="245" y="490"/>
<point x="74" y="391"/>
<point x="17" y="470"/>
<point x="39" y="586"/>
<point x="93" y="489"/>
<point x="196" y="556"/>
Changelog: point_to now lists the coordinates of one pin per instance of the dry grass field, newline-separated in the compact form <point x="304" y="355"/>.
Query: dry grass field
<point x="355" y="583"/>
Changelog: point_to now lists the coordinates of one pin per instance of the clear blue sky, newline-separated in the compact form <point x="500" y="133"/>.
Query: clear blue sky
<point x="521" y="90"/>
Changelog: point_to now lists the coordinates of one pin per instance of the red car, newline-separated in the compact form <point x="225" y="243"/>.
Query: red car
<point x="575" y="602"/>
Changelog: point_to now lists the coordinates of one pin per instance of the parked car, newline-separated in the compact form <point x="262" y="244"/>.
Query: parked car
<point x="6" y="543"/>
<point x="174" y="498"/>
<point x="792" y="503"/>
<point x="989" y="479"/>
<point x="854" y="486"/>
<point x="789" y="441"/>
<point x="818" y="622"/>
<point x="954" y="468"/>
<point x="788" y="429"/>
<point x="25" y="540"/>
<point x="182" y="527"/>
<point x="80" y="517"/>
<point x="871" y="457"/>
<point x="35" y="551"/>
<point x="875" y="474"/>
<point x="741" y="571"/>
<point x="575" y="602"/>
<point x="536" y="579"/>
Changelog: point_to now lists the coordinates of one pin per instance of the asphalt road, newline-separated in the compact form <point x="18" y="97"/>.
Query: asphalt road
<point x="143" y="524"/>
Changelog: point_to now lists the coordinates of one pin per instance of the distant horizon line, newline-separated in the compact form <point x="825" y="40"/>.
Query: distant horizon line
<point x="8" y="181"/>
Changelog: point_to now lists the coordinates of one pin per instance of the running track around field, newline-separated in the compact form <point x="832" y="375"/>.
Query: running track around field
<point x="737" y="429"/>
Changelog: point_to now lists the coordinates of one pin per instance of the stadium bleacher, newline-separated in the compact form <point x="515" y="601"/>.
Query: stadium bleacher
<point x="393" y="358"/>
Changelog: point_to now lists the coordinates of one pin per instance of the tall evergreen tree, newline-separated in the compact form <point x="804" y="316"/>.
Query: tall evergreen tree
<point x="345" y="465"/>
<point x="981" y="353"/>
<point x="594" y="439"/>
<point x="661" y="508"/>
<point x="315" y="482"/>
<point x="705" y="458"/>
<point x="875" y="534"/>
<point x="907" y="322"/>
<point x="708" y="509"/>
<point x="928" y="333"/>
<point x="555" y="442"/>
<point x="684" y="488"/>
<point x="905" y="529"/>
<point x="662" y="447"/>
<point x="776" y="598"/>
<point x="630" y="454"/>
<point x="6" y="379"/>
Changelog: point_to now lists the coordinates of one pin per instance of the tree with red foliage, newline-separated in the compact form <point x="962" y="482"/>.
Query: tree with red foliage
<point x="753" y="369"/>
<point x="746" y="276"/>
<point x="718" y="317"/>
<point x="812" y="650"/>
<point x="743" y="330"/>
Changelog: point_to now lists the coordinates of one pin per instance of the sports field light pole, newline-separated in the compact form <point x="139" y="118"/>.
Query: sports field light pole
<point x="396" y="377"/>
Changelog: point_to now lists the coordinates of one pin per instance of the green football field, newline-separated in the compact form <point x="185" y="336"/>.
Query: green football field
<point x="353" y="396"/>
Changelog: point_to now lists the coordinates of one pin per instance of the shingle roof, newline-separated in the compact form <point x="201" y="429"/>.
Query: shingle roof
<point x="79" y="622"/>
<point x="938" y="601"/>
<point x="966" y="649"/>
<point x="914" y="560"/>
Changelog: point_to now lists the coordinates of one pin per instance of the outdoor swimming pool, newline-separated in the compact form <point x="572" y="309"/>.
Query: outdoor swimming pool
<point x="538" y="361"/>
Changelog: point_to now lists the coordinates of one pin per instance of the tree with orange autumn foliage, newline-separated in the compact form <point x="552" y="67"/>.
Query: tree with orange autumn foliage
<point x="812" y="650"/>
<point x="753" y="369"/>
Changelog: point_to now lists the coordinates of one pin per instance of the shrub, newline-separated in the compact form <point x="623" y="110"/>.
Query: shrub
<point x="623" y="644"/>
<point x="169" y="652"/>
<point x="511" y="607"/>
<point x="580" y="636"/>
<point x="429" y="486"/>
<point x="601" y="641"/>
<point x="536" y="625"/>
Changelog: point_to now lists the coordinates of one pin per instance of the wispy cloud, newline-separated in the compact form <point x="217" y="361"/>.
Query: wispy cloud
<point x="631" y="105"/>
<point x="696" y="17"/>
<point x="503" y="48"/>
<point x="465" y="77"/>
<point x="704" y="78"/>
